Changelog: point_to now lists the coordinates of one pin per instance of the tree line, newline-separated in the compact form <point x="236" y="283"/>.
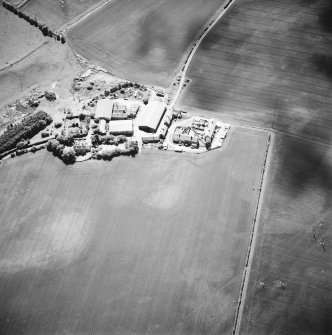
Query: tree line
<point x="41" y="26"/>
<point x="26" y="129"/>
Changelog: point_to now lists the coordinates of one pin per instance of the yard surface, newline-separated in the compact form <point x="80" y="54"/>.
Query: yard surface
<point x="142" y="40"/>
<point x="152" y="244"/>
<point x="53" y="13"/>
<point x="267" y="63"/>
<point x="296" y="216"/>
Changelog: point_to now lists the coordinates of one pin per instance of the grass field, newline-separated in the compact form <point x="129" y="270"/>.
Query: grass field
<point x="152" y="244"/>
<point x="267" y="63"/>
<point x="142" y="40"/>
<point x="53" y="14"/>
<point x="52" y="62"/>
<point x="17" y="38"/>
<point x="297" y="202"/>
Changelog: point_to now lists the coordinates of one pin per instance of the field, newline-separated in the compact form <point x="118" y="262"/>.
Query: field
<point x="51" y="63"/>
<point x="18" y="38"/>
<point x="296" y="206"/>
<point x="53" y="14"/>
<point x="267" y="63"/>
<point x="142" y="40"/>
<point x="152" y="244"/>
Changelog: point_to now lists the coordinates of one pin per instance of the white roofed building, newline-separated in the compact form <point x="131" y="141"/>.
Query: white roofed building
<point x="152" y="116"/>
<point x="121" y="127"/>
<point x="104" y="109"/>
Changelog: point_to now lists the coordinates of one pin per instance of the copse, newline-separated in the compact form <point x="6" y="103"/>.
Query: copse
<point x="26" y="129"/>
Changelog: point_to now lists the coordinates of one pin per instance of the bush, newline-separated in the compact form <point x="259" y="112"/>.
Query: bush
<point x="33" y="149"/>
<point x="121" y="139"/>
<point x="45" y="134"/>
<point x="21" y="145"/>
<point x="27" y="128"/>
<point x="57" y="124"/>
<point x="12" y="155"/>
<point x="50" y="96"/>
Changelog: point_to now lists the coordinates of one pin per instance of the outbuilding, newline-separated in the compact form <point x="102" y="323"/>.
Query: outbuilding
<point x="102" y="127"/>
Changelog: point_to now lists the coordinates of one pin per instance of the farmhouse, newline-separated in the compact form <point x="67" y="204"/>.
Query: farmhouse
<point x="104" y="109"/>
<point x="121" y="127"/>
<point x="81" y="147"/>
<point x="152" y="115"/>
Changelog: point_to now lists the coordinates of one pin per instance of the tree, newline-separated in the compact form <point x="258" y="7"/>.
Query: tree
<point x="59" y="150"/>
<point x="65" y="139"/>
<point x="95" y="140"/>
<point x="68" y="155"/>
<point x="51" y="145"/>
<point x="63" y="41"/>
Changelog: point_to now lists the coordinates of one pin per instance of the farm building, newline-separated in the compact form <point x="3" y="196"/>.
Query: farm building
<point x="102" y="127"/>
<point x="209" y="133"/>
<point x="186" y="139"/>
<point x="121" y="127"/>
<point x="152" y="115"/>
<point x="150" y="139"/>
<point x="104" y="109"/>
<point x="119" y="116"/>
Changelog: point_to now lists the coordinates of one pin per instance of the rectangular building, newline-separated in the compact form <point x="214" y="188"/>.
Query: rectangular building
<point x="121" y="127"/>
<point x="104" y="109"/>
<point x="152" y="116"/>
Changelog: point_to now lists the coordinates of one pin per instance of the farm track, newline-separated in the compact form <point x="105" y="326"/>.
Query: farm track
<point x="253" y="238"/>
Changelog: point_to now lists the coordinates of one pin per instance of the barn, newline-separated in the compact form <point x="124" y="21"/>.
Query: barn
<point x="104" y="109"/>
<point x="121" y="127"/>
<point x="152" y="116"/>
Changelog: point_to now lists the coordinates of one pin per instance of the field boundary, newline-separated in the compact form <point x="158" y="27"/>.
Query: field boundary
<point x="252" y="242"/>
<point x="79" y="18"/>
<point x="27" y="55"/>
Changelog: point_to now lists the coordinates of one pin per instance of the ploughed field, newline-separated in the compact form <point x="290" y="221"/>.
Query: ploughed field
<point x="296" y="216"/>
<point x="152" y="244"/>
<point x="267" y="63"/>
<point x="142" y="40"/>
<point x="54" y="13"/>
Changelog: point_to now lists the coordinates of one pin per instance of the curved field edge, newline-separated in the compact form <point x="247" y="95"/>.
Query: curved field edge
<point x="292" y="254"/>
<point x="262" y="65"/>
<point x="56" y="13"/>
<point x="166" y="252"/>
<point x="142" y="41"/>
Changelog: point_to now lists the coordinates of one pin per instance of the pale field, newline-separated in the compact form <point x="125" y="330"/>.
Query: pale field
<point x="155" y="243"/>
